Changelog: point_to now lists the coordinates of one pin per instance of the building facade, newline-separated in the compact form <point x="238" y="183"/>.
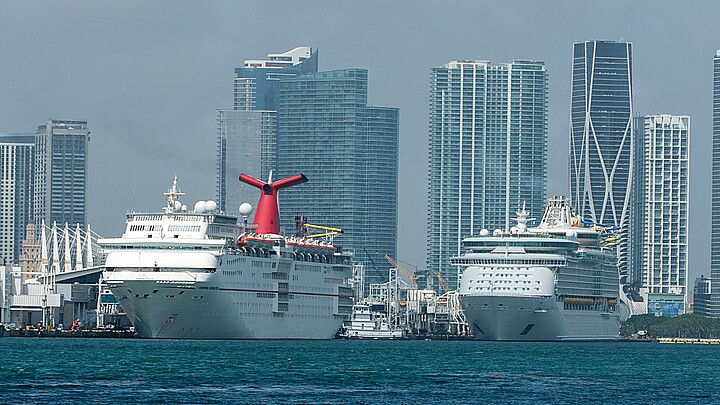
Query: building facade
<point x="711" y="307"/>
<point x="601" y="138"/>
<point x="61" y="161"/>
<point x="349" y="152"/>
<point x="246" y="135"/>
<point x="663" y="184"/>
<point x="246" y="144"/>
<point x="16" y="195"/>
<point x="488" y="152"/>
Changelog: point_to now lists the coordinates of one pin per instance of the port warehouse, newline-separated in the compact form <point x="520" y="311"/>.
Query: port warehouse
<point x="77" y="297"/>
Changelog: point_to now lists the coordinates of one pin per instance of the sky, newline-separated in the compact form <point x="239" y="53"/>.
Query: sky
<point x="149" y="76"/>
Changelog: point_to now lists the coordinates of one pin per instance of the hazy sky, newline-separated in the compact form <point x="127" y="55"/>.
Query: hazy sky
<point x="149" y="76"/>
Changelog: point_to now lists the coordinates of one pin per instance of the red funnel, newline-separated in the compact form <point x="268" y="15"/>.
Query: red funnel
<point x="267" y="215"/>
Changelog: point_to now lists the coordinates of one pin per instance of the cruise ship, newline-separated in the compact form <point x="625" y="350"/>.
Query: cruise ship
<point x="558" y="281"/>
<point x="201" y="274"/>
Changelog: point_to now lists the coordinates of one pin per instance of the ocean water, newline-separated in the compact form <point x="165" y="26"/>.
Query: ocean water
<point x="74" y="370"/>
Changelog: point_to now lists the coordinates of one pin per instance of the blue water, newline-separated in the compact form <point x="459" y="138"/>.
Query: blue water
<point x="67" y="370"/>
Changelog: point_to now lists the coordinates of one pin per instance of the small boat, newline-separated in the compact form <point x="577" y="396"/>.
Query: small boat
<point x="366" y="324"/>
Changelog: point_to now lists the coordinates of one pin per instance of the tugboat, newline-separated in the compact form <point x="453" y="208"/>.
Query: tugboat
<point x="366" y="324"/>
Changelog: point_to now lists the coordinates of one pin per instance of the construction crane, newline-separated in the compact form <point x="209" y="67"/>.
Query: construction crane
<point x="413" y="278"/>
<point x="443" y="284"/>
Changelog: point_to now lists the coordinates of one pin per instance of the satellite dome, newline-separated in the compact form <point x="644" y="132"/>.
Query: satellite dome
<point x="210" y="206"/>
<point x="177" y="205"/>
<point x="484" y="232"/>
<point x="571" y="234"/>
<point x="514" y="230"/>
<point x="183" y="208"/>
<point x="199" y="207"/>
<point x="245" y="209"/>
<point x="497" y="232"/>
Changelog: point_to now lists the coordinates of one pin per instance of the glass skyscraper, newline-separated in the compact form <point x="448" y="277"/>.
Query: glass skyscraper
<point x="711" y="307"/>
<point x="662" y="190"/>
<point x="16" y="194"/>
<point x="349" y="152"/>
<point x="601" y="137"/>
<point x="488" y="152"/>
<point x="246" y="135"/>
<point x="60" y="195"/>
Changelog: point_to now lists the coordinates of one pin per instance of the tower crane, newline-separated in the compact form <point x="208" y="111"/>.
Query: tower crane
<point x="413" y="278"/>
<point x="443" y="284"/>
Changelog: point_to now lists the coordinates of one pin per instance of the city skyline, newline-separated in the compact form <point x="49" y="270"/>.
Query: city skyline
<point x="152" y="127"/>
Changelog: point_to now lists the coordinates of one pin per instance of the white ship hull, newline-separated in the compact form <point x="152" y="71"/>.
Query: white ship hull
<point x="535" y="319"/>
<point x="234" y="302"/>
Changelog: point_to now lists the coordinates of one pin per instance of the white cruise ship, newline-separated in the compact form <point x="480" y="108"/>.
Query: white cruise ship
<point x="558" y="281"/>
<point x="199" y="274"/>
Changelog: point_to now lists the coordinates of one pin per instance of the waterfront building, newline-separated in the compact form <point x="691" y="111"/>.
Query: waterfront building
<point x="711" y="308"/>
<point x="660" y="235"/>
<point x="246" y="144"/>
<point x="601" y="137"/>
<point x="488" y="152"/>
<point x="16" y="193"/>
<point x="349" y="152"/>
<point x="61" y="158"/>
<point x="701" y="295"/>
<point x="246" y="135"/>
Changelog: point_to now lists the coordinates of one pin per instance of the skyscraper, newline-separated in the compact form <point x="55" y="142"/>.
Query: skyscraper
<point x="60" y="195"/>
<point x="246" y="144"/>
<point x="16" y="194"/>
<point x="663" y="181"/>
<point x="601" y="137"/>
<point x="246" y="134"/>
<point x="349" y="152"/>
<point x="488" y="152"/>
<point x="711" y="307"/>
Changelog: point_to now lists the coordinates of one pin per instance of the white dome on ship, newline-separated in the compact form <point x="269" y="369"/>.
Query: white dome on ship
<point x="177" y="205"/>
<point x="484" y="232"/>
<point x="199" y="207"/>
<point x="210" y="206"/>
<point x="571" y="234"/>
<point x="246" y="209"/>
<point x="497" y="232"/>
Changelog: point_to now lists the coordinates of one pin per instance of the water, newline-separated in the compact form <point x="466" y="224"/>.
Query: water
<point x="66" y="370"/>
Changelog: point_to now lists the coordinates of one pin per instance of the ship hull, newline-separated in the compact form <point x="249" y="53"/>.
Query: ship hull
<point x="238" y="302"/>
<point x="517" y="318"/>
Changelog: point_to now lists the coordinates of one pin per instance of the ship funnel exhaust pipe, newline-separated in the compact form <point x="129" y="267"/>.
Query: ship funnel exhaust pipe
<point x="267" y="215"/>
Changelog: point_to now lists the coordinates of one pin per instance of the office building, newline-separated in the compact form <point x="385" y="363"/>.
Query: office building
<point x="246" y="135"/>
<point x="488" y="152"/>
<point x="16" y="195"/>
<point x="601" y="138"/>
<point x="711" y="307"/>
<point x="61" y="162"/>
<point x="662" y="190"/>
<point x="349" y="152"/>
<point x="246" y="144"/>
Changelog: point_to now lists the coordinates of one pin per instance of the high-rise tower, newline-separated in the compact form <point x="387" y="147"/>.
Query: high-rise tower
<point x="349" y="152"/>
<point x="60" y="196"/>
<point x="488" y="152"/>
<point x="16" y="194"/>
<point x="711" y="307"/>
<point x="246" y="135"/>
<point x="601" y="137"/>
<point x="662" y="190"/>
